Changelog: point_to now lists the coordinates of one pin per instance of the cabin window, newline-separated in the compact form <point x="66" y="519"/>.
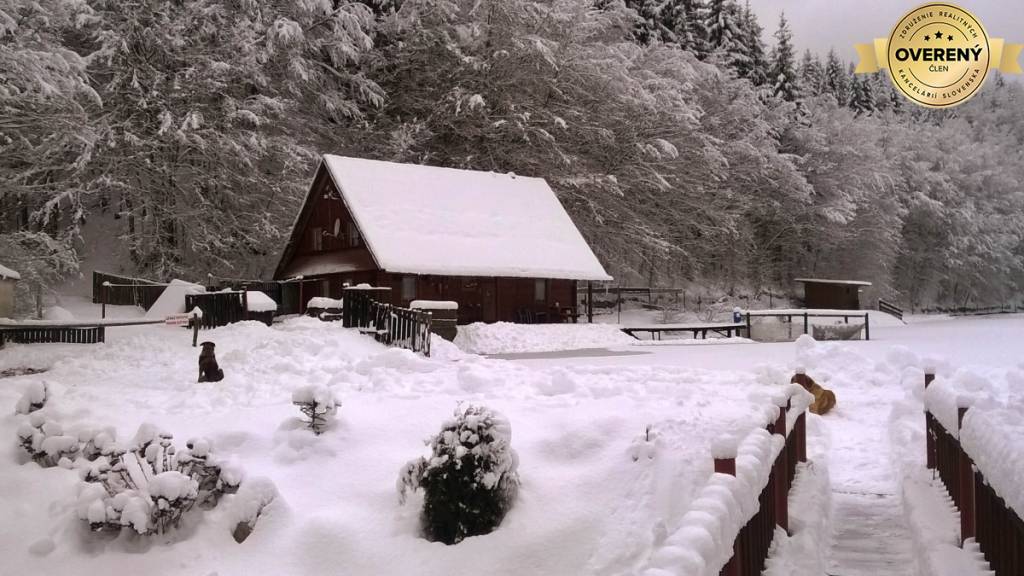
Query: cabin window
<point x="540" y="290"/>
<point x="353" y="234"/>
<point x="317" y="239"/>
<point x="408" y="288"/>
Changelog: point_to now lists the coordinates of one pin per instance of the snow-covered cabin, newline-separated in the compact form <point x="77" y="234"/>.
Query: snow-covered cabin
<point x="8" y="278"/>
<point x="500" y="245"/>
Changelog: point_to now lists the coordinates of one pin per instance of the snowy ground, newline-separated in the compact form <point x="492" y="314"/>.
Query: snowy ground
<point x="599" y="493"/>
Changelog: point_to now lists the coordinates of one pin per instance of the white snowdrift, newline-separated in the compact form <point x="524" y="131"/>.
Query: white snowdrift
<point x="172" y="299"/>
<point x="509" y="338"/>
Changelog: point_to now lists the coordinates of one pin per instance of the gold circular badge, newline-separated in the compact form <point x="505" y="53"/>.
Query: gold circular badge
<point x="939" y="55"/>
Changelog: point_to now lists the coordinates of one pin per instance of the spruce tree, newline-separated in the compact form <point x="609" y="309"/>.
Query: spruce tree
<point x="755" y="68"/>
<point x="812" y="75"/>
<point x="725" y="35"/>
<point x="783" y="71"/>
<point x="691" y="29"/>
<point x="836" y="82"/>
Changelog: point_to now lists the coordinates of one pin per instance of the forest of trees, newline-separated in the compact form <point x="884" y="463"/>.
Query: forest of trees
<point x="686" y="148"/>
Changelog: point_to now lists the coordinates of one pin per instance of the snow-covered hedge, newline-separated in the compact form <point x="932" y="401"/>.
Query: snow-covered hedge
<point x="470" y="479"/>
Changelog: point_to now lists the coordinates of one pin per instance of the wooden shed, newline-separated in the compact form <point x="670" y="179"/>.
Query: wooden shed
<point x="8" y="279"/>
<point x="500" y="245"/>
<point x="832" y="294"/>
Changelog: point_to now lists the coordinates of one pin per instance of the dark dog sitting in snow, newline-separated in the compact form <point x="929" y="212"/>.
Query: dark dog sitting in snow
<point x="208" y="369"/>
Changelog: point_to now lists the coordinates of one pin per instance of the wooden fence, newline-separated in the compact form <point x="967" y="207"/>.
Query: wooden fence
<point x="50" y="334"/>
<point x="271" y="289"/>
<point x="388" y="324"/>
<point x="124" y="291"/>
<point x="805" y="316"/>
<point x="984" y="516"/>
<point x="219" y="308"/>
<point x="750" y="549"/>
<point x="890" y="308"/>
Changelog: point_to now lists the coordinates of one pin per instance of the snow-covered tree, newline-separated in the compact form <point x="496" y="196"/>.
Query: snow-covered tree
<point x="318" y="404"/>
<point x="812" y="75"/>
<point x="837" y="82"/>
<point x="785" y="83"/>
<point x="470" y="479"/>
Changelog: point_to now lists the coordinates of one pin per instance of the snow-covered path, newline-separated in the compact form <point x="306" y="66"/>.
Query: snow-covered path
<point x="869" y="536"/>
<point x="869" y="532"/>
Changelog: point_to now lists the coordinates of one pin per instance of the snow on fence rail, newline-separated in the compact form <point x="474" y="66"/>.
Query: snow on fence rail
<point x="977" y="449"/>
<point x="744" y="502"/>
<point x="763" y="332"/>
<point x="388" y="324"/>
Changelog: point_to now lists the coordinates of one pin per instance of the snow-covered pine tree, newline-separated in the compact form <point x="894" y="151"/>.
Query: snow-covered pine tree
<point x="648" y="26"/>
<point x="756" y="68"/>
<point x="686" y="20"/>
<point x="812" y="75"/>
<point x="862" y="97"/>
<point x="726" y="37"/>
<point x="470" y="479"/>
<point x="783" y="66"/>
<point x="837" y="82"/>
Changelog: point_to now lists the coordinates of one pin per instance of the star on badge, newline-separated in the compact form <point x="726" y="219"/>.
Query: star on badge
<point x="927" y="38"/>
<point x="938" y="35"/>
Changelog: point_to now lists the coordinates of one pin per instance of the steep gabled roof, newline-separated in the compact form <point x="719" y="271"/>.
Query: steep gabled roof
<point x="427" y="220"/>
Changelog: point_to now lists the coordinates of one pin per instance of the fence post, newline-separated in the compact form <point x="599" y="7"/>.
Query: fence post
<point x="867" y="326"/>
<point x="779" y="470"/>
<point x="749" y="335"/>
<point x="733" y="567"/>
<point x="966" y="481"/>
<point x="806" y="323"/>
<point x="929" y="434"/>
<point x="105" y="296"/>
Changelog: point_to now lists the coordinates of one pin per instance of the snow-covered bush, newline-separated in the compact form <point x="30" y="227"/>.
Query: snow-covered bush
<point x="44" y="440"/>
<point x="33" y="399"/>
<point x="470" y="479"/>
<point x="152" y="485"/>
<point x="247" y="506"/>
<point x="318" y="404"/>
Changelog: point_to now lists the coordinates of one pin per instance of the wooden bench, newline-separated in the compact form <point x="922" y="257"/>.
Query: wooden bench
<point x="699" y="331"/>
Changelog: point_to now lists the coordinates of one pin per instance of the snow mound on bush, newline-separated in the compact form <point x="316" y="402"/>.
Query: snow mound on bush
<point x="509" y="338"/>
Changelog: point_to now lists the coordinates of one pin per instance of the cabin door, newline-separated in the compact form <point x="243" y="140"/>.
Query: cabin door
<point x="489" y="295"/>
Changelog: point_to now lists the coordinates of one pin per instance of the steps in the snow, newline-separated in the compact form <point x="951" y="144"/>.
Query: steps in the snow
<point x="869" y="536"/>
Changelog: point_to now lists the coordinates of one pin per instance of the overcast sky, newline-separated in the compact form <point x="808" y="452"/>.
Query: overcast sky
<point x="823" y="24"/>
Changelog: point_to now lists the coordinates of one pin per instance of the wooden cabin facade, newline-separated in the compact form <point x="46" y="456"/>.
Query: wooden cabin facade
<point x="332" y="246"/>
<point x="832" y="294"/>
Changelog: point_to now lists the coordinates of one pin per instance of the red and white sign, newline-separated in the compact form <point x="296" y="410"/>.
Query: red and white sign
<point x="177" y="319"/>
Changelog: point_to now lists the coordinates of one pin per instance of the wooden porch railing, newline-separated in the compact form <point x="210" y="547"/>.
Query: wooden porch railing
<point x="388" y="324"/>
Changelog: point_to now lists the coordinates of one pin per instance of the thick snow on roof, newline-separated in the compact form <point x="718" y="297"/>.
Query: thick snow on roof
<point x="8" y="274"/>
<point x="826" y="281"/>
<point x="428" y="220"/>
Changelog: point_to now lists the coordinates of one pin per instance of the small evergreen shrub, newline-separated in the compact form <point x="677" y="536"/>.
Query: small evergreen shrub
<point x="318" y="404"/>
<point x="470" y="480"/>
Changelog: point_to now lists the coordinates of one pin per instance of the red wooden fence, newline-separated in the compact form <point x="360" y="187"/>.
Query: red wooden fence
<point x="984" y="516"/>
<point x="750" y="550"/>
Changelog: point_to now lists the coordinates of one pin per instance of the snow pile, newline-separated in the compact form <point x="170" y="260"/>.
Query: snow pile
<point x="259" y="302"/>
<point x="8" y="274"/>
<point x="804" y="550"/>
<point x="994" y="439"/>
<point x="693" y="341"/>
<point x="58" y="314"/>
<point x="323" y="303"/>
<point x="509" y="338"/>
<point x="434" y="305"/>
<point x="172" y="299"/>
<point x="946" y="396"/>
<point x="33" y="399"/>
